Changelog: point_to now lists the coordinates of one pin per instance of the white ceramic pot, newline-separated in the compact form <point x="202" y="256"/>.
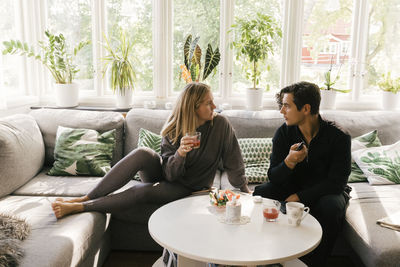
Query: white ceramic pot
<point x="67" y="95"/>
<point x="124" y="99"/>
<point x="328" y="99"/>
<point x="390" y="101"/>
<point x="254" y="98"/>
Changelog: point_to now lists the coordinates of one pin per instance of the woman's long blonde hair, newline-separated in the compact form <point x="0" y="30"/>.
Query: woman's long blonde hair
<point x="183" y="118"/>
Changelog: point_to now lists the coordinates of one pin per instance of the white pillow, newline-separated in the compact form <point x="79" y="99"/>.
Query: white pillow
<point x="381" y="164"/>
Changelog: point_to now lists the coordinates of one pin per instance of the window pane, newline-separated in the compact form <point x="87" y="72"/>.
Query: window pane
<point x="326" y="41"/>
<point x="10" y="63"/>
<point x="74" y="20"/>
<point x="383" y="53"/>
<point x="268" y="78"/>
<point x="198" y="18"/>
<point x="135" y="17"/>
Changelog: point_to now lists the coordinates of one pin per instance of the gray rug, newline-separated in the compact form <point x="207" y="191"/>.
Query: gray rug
<point x="12" y="232"/>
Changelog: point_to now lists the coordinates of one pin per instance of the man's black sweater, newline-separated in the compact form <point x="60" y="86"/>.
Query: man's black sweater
<point x="324" y="171"/>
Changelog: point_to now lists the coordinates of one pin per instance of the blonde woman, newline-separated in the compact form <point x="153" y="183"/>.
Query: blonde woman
<point x="180" y="170"/>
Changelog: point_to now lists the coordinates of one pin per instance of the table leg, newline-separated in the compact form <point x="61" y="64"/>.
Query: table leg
<point x="186" y="262"/>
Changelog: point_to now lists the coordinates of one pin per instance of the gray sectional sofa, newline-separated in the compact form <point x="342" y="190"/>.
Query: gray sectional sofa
<point x="85" y="239"/>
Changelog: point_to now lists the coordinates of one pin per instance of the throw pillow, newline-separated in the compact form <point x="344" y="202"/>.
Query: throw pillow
<point x="364" y="141"/>
<point x="256" y="153"/>
<point x="380" y="164"/>
<point x="150" y="140"/>
<point x="82" y="152"/>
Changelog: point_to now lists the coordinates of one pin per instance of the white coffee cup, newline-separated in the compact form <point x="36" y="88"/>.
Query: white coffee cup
<point x="296" y="212"/>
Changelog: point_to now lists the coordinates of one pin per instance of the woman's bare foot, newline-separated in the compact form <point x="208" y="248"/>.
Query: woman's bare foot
<point x="62" y="209"/>
<point x="74" y="200"/>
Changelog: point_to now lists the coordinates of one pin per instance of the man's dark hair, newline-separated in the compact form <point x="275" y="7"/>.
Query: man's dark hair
<point x="303" y="93"/>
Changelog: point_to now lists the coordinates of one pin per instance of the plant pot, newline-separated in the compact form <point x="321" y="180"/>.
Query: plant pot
<point x="67" y="95"/>
<point x="124" y="98"/>
<point x="328" y="99"/>
<point x="254" y="97"/>
<point x="390" y="101"/>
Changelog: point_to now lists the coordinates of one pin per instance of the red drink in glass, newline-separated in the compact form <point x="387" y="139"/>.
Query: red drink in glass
<point x="270" y="214"/>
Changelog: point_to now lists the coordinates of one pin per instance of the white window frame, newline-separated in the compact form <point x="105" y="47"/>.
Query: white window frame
<point x="36" y="81"/>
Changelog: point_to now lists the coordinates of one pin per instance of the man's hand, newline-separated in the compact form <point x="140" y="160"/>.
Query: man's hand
<point x="295" y="156"/>
<point x="293" y="198"/>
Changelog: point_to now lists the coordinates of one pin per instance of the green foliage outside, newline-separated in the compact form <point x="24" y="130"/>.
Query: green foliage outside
<point x="118" y="60"/>
<point x="256" y="39"/>
<point x="54" y="55"/>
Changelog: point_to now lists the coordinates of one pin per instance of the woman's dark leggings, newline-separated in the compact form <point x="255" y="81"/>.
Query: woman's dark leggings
<point x="153" y="189"/>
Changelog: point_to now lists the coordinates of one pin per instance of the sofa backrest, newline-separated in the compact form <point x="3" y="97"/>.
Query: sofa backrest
<point x="251" y="124"/>
<point x="21" y="151"/>
<point x="49" y="120"/>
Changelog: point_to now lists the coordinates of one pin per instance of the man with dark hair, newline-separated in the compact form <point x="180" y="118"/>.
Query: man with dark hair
<point x="316" y="174"/>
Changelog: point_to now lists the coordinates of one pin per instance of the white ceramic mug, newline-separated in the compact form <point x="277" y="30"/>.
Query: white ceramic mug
<point x="296" y="212"/>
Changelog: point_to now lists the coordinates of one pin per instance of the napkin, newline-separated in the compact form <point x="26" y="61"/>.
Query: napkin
<point x="391" y="222"/>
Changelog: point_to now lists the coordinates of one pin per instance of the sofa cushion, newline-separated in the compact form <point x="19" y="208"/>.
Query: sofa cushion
<point x="149" y="139"/>
<point x="152" y="120"/>
<point x="82" y="152"/>
<point x="378" y="246"/>
<point x="53" y="242"/>
<point x="21" y="151"/>
<point x="45" y="185"/>
<point x="366" y="140"/>
<point x="381" y="164"/>
<point x="256" y="153"/>
<point x="49" y="120"/>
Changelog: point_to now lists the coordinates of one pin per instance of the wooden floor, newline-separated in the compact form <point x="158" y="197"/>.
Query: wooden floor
<point x="146" y="259"/>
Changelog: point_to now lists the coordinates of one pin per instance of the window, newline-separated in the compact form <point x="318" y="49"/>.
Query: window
<point x="135" y="17"/>
<point x="327" y="24"/>
<point x="199" y="18"/>
<point x="357" y="39"/>
<point x="9" y="64"/>
<point x="74" y="20"/>
<point x="383" y="50"/>
<point x="270" y="71"/>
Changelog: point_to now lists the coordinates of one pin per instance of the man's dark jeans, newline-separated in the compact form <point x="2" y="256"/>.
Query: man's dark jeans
<point x="329" y="210"/>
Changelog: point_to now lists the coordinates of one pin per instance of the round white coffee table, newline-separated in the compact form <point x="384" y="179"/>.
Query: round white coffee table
<point x="190" y="228"/>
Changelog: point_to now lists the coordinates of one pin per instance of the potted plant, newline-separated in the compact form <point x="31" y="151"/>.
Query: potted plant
<point x="256" y="40"/>
<point x="54" y="55"/>
<point x="328" y="92"/>
<point x="194" y="69"/>
<point x="123" y="76"/>
<point x="390" y="88"/>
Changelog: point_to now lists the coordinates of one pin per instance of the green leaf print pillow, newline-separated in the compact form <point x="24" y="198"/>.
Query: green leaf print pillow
<point x="381" y="164"/>
<point x="150" y="140"/>
<point x="256" y="153"/>
<point x="82" y="152"/>
<point x="364" y="141"/>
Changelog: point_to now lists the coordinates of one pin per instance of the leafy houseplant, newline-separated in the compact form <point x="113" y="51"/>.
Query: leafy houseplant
<point x="256" y="40"/>
<point x="193" y="69"/>
<point x="54" y="55"/>
<point x="123" y="75"/>
<point x="389" y="84"/>
<point x="390" y="91"/>
<point x="328" y="79"/>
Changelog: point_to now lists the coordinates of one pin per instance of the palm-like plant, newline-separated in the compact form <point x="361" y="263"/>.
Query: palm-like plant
<point x="123" y="75"/>
<point x="193" y="69"/>
<point x="54" y="55"/>
<point x="256" y="39"/>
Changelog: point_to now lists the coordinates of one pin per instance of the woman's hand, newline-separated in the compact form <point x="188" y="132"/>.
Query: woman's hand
<point x="186" y="146"/>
